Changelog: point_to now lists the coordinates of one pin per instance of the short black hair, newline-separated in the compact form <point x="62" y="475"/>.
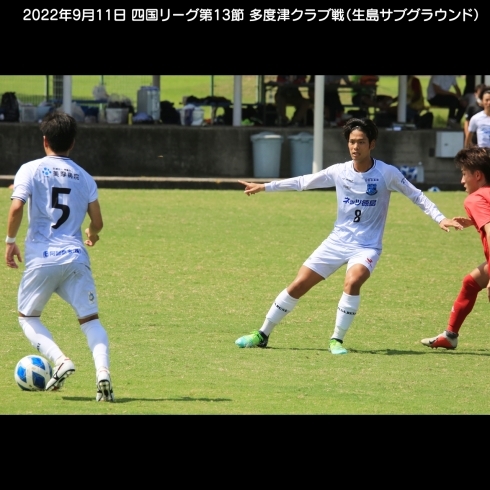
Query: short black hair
<point x="60" y="130"/>
<point x="473" y="159"/>
<point x="484" y="89"/>
<point x="365" y="125"/>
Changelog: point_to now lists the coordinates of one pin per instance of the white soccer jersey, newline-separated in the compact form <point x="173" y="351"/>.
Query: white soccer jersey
<point x="480" y="124"/>
<point x="362" y="199"/>
<point x="58" y="192"/>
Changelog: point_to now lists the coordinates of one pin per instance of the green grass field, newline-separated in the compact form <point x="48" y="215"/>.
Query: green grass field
<point x="174" y="87"/>
<point x="182" y="274"/>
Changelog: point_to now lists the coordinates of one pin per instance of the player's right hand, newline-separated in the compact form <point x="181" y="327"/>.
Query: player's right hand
<point x="12" y="251"/>
<point x="464" y="222"/>
<point x="92" y="239"/>
<point x="252" y="187"/>
<point x="446" y="222"/>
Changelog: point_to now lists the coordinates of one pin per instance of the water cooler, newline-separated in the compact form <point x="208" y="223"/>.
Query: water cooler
<point x="148" y="101"/>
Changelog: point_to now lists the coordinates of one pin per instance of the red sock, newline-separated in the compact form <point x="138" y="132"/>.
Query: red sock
<point x="464" y="303"/>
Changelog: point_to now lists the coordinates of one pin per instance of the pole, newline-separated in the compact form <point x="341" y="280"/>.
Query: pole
<point x="402" y="99"/>
<point x="67" y="94"/>
<point x="57" y="87"/>
<point x="156" y="81"/>
<point x="318" y="124"/>
<point x="46" y="88"/>
<point x="237" y="100"/>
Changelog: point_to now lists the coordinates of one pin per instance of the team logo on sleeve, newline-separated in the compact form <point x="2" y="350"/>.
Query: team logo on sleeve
<point x="371" y="190"/>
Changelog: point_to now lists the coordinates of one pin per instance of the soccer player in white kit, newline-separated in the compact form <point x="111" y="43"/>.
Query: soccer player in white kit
<point x="480" y="123"/>
<point x="363" y="186"/>
<point x="59" y="194"/>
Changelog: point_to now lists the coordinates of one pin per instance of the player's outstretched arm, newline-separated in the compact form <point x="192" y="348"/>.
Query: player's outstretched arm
<point x="252" y="187"/>
<point x="446" y="223"/>
<point x="464" y="222"/>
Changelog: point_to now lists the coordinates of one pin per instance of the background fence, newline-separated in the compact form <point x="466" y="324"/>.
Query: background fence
<point x="33" y="89"/>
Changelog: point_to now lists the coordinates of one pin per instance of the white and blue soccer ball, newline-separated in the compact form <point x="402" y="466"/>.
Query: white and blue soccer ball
<point x="410" y="173"/>
<point x="32" y="373"/>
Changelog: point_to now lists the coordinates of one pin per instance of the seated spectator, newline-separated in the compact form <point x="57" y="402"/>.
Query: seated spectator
<point x="364" y="93"/>
<point x="474" y="106"/>
<point x="291" y="95"/>
<point x="415" y="100"/>
<point x="480" y="123"/>
<point x="439" y="94"/>
<point x="334" y="109"/>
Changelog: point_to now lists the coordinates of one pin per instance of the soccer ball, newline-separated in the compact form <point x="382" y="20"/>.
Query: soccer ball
<point x="410" y="173"/>
<point x="32" y="373"/>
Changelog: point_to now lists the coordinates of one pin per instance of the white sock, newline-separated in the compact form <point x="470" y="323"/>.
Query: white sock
<point x="283" y="304"/>
<point x="346" y="311"/>
<point x="40" y="337"/>
<point x="98" y="343"/>
<point x="267" y="327"/>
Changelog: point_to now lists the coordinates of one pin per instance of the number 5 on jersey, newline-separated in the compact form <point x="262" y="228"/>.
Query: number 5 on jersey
<point x="64" y="208"/>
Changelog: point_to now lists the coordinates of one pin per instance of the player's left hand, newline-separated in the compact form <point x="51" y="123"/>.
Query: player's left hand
<point x="92" y="239"/>
<point x="446" y="223"/>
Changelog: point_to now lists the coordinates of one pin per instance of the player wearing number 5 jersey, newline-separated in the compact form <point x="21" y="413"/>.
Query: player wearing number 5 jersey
<point x="59" y="194"/>
<point x="363" y="186"/>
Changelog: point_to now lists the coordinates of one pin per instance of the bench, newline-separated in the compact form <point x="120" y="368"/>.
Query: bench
<point x="268" y="87"/>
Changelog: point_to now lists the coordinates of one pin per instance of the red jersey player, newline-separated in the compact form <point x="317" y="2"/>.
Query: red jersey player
<point x="475" y="166"/>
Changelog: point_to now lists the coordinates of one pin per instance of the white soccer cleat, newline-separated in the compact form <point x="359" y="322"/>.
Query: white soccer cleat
<point x="61" y="371"/>
<point x="104" y="387"/>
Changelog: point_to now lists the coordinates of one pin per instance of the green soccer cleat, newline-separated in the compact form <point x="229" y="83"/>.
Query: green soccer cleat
<point x="336" y="347"/>
<point x="255" y="339"/>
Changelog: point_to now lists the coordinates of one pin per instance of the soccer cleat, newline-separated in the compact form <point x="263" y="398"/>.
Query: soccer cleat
<point x="441" y="340"/>
<point x="255" y="339"/>
<point x="61" y="371"/>
<point x="104" y="387"/>
<point x="59" y="385"/>
<point x="336" y="347"/>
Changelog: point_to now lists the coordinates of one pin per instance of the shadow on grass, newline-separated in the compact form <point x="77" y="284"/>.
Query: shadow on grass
<point x="394" y="352"/>
<point x="296" y="348"/>
<point x="129" y="400"/>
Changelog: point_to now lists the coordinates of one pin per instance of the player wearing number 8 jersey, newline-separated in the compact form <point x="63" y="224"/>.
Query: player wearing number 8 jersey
<point x="59" y="194"/>
<point x="363" y="186"/>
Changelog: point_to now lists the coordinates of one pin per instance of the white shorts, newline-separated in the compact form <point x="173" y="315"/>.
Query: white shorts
<point x="329" y="257"/>
<point x="73" y="282"/>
